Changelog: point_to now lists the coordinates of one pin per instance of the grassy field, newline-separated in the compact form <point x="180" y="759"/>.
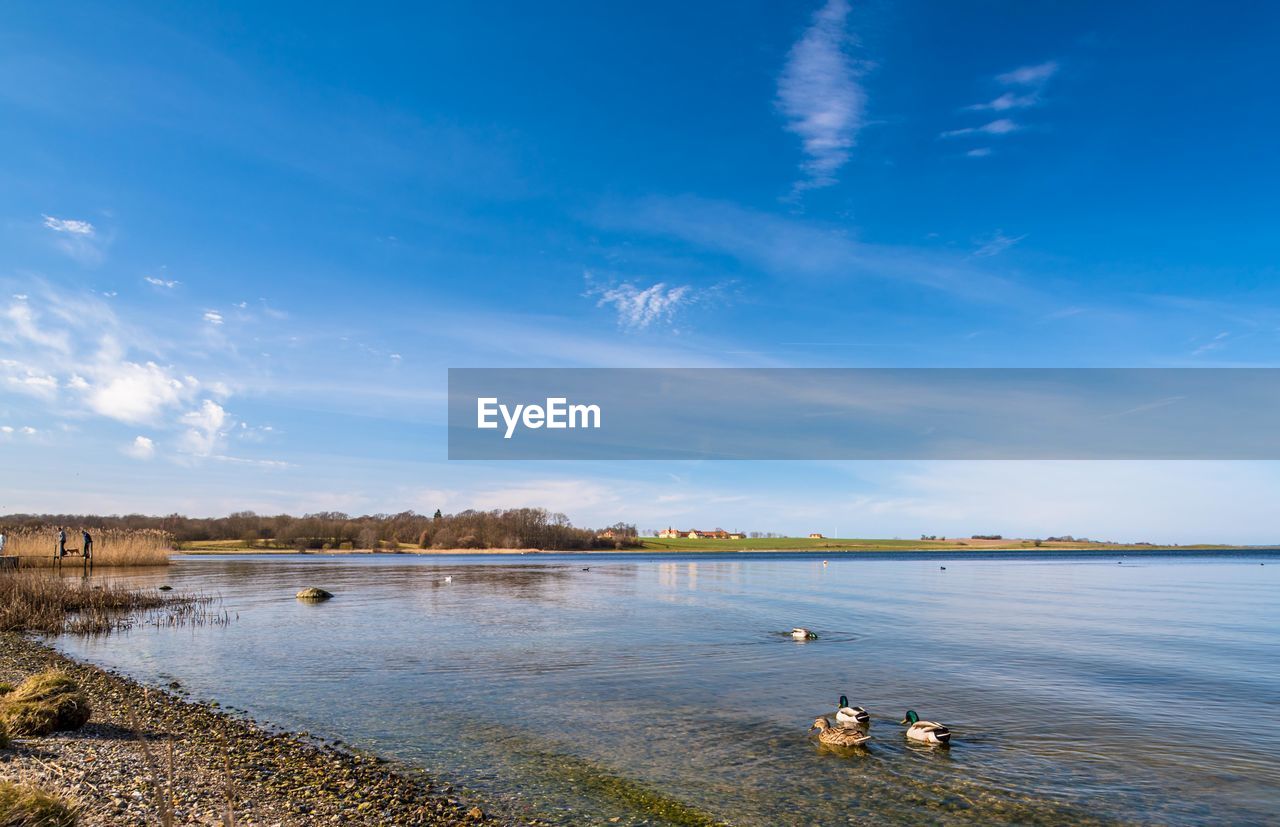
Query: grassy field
<point x="872" y="544"/>
<point x="651" y="544"/>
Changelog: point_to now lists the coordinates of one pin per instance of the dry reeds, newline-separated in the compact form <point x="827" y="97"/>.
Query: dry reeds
<point x="37" y="601"/>
<point x="111" y="546"/>
<point x="46" y="702"/>
<point x="22" y="805"/>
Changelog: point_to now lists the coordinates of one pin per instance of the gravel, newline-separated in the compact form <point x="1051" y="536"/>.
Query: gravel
<point x="216" y="761"/>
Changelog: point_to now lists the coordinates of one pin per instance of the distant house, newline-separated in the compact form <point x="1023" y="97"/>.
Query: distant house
<point x="670" y="533"/>
<point x="737" y="535"/>
<point x="699" y="534"/>
<point x="816" y="536"/>
<point x="607" y="534"/>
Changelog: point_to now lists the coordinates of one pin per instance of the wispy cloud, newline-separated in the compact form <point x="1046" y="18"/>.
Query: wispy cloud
<point x="212" y="317"/>
<point x="996" y="244"/>
<point x="980" y="152"/>
<point x="1029" y="75"/>
<point x="1009" y="100"/>
<point x="68" y="225"/>
<point x="641" y="307"/>
<point x="77" y="239"/>
<point x="158" y="282"/>
<point x="1216" y="343"/>
<point x="1002" y="126"/>
<point x="821" y="97"/>
<point x="790" y="248"/>
<point x="1028" y="82"/>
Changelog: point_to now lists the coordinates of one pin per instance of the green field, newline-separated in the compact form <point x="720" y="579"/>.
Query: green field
<point x="869" y="544"/>
<point x="652" y="544"/>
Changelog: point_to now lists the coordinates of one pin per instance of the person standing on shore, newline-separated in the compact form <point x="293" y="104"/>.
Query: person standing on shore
<point x="62" y="542"/>
<point x="86" y="547"/>
<point x="1" y="542"/>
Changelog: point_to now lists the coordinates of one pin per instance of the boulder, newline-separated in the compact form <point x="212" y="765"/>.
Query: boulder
<point x="313" y="594"/>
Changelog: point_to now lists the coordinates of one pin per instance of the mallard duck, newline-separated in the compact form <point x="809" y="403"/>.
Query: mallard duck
<point x="926" y="732"/>
<point x="838" y="736"/>
<point x="803" y="634"/>
<point x="846" y="714"/>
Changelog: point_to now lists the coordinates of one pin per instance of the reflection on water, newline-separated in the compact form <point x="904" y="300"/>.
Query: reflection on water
<point x="661" y="690"/>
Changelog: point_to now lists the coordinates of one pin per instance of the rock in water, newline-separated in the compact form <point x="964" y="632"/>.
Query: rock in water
<point x="313" y="594"/>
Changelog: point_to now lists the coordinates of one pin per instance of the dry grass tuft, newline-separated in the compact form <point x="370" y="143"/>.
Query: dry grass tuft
<point x="111" y="546"/>
<point x="22" y="805"/>
<point x="4" y="739"/>
<point x="46" y="702"/>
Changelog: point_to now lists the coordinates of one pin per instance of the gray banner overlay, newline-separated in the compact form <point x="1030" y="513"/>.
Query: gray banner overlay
<point x="863" y="413"/>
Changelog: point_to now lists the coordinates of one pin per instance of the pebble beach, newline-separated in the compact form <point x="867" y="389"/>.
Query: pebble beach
<point x="208" y="762"/>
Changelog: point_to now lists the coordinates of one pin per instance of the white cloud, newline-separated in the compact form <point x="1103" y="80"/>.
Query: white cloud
<point x="207" y="425"/>
<point x="21" y="324"/>
<point x="1002" y="126"/>
<point x="980" y="152"/>
<point x="141" y="448"/>
<point x="213" y="317"/>
<point x="996" y="244"/>
<point x="68" y="225"/>
<point x="25" y="379"/>
<point x="6" y="429"/>
<point x="166" y="284"/>
<point x="821" y="97"/>
<point x="27" y="430"/>
<point x="77" y="239"/>
<point x="638" y="308"/>
<point x="128" y="391"/>
<point x="1009" y="100"/>
<point x="1029" y="75"/>
<point x="1029" y="79"/>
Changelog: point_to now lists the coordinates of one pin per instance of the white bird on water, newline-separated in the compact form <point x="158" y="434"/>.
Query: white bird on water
<point x="448" y="578"/>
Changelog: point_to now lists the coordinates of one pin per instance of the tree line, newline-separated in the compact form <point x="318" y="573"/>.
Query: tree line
<point x="499" y="528"/>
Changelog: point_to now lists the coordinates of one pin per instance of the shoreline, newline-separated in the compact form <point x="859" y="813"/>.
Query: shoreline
<point x="677" y="550"/>
<point x="271" y="777"/>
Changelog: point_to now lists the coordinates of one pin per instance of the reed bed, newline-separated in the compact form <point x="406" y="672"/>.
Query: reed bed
<point x="34" y="601"/>
<point x="111" y="546"/>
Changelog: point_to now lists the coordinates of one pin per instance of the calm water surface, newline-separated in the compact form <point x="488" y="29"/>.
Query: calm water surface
<point x="1079" y="688"/>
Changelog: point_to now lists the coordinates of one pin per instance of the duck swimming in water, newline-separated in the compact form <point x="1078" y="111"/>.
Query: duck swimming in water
<point x="846" y="714"/>
<point x="800" y="633"/>
<point x="838" y="736"/>
<point x="926" y="732"/>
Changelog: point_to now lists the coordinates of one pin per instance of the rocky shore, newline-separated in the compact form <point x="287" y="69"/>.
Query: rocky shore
<point x="207" y="762"/>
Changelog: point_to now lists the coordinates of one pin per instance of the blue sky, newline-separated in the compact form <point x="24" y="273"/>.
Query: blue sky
<point x="240" y="247"/>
